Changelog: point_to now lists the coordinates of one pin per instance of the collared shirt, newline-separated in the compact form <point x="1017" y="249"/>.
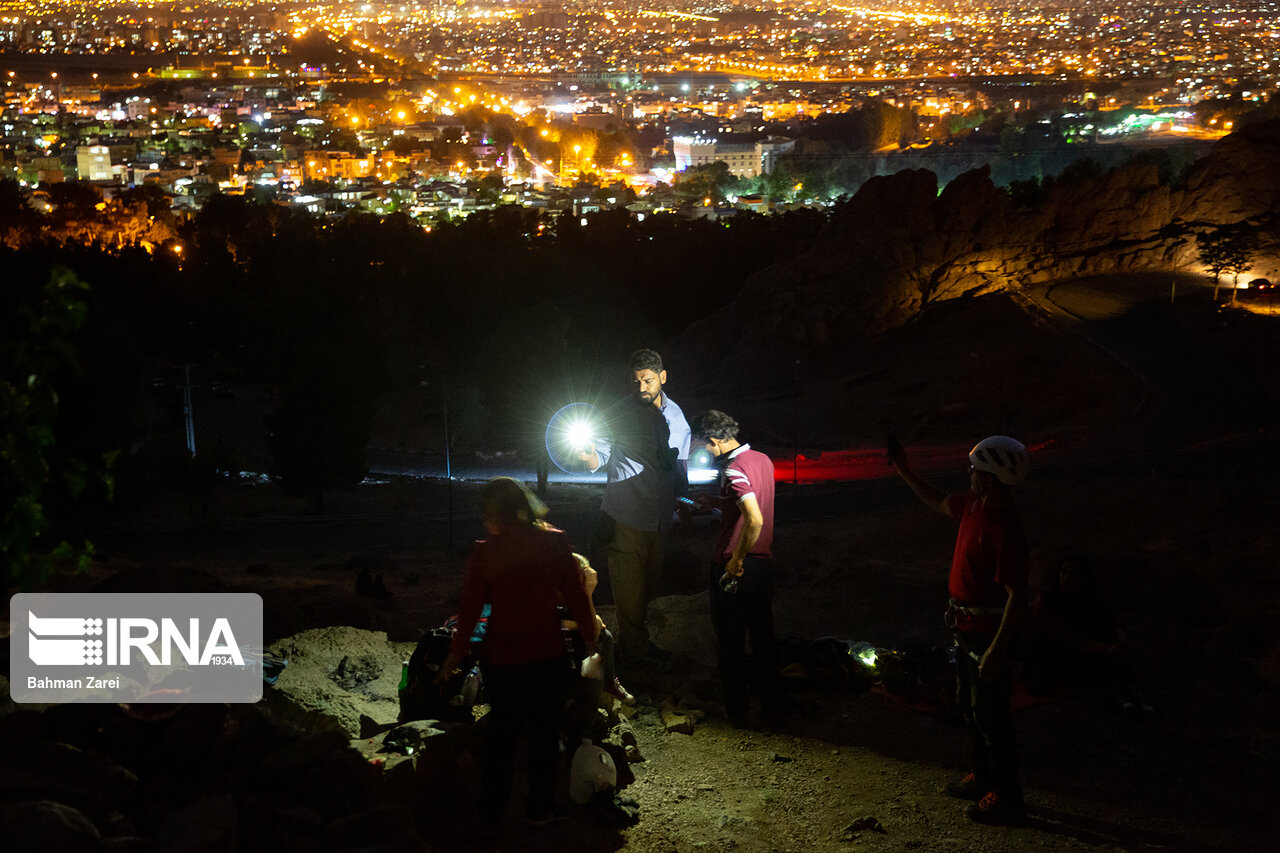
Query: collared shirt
<point x="680" y="433"/>
<point x="642" y="465"/>
<point x="747" y="473"/>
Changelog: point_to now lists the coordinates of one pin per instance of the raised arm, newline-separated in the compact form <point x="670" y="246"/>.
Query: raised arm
<point x="929" y="494"/>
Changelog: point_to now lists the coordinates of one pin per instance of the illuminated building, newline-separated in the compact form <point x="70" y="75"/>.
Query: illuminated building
<point x="744" y="159"/>
<point x="331" y="165"/>
<point x="93" y="163"/>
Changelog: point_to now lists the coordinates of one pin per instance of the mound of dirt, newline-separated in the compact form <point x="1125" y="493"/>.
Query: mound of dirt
<point x="336" y="676"/>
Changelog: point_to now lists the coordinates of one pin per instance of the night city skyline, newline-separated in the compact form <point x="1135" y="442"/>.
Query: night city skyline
<point x="813" y="427"/>
<point x="603" y="90"/>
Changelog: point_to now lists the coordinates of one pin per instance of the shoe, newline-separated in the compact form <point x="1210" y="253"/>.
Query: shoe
<point x="558" y="812"/>
<point x="994" y="810"/>
<point x="615" y="689"/>
<point x="964" y="788"/>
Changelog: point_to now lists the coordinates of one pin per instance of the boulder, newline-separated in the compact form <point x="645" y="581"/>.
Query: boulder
<point x="40" y="769"/>
<point x="321" y="771"/>
<point x="336" y="675"/>
<point x="44" y="826"/>
<point x="209" y="824"/>
<point x="383" y="827"/>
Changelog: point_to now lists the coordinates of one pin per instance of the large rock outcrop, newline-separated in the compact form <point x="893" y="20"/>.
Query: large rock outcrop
<point x="1239" y="181"/>
<point x="899" y="244"/>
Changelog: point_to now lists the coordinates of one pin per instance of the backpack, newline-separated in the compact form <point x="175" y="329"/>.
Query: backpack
<point x="422" y="699"/>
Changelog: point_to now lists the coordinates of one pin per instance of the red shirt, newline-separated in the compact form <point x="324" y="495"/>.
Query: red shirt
<point x="991" y="554"/>
<point x="748" y="473"/>
<point x="523" y="574"/>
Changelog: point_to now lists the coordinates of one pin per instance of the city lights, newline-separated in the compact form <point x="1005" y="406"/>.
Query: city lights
<point x="546" y="99"/>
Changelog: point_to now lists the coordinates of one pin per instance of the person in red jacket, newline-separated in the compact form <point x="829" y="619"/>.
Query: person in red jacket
<point x="988" y="592"/>
<point x="523" y="570"/>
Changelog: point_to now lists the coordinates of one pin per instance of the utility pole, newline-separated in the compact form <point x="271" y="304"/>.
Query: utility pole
<point x="795" y="429"/>
<point x="187" y="413"/>
<point x="448" y="473"/>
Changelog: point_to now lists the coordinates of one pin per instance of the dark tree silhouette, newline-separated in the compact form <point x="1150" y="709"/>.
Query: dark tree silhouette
<point x="1242" y="248"/>
<point x="1227" y="248"/>
<point x="699" y="183"/>
<point x="18" y="222"/>
<point x="320" y="427"/>
<point x="324" y="361"/>
<point x="39" y="328"/>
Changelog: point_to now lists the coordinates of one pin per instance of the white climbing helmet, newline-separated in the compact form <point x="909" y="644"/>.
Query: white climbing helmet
<point x="1002" y="456"/>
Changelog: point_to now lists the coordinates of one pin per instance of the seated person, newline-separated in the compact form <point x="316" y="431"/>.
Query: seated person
<point x="1077" y="641"/>
<point x="612" y="684"/>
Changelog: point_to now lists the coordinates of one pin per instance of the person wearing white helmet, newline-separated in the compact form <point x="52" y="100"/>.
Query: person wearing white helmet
<point x="1002" y="456"/>
<point x="988" y="599"/>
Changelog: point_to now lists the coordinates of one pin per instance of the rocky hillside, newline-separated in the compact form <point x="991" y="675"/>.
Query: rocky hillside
<point x="900" y="244"/>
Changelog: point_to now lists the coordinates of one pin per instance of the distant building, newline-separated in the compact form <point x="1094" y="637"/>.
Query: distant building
<point x="771" y="148"/>
<point x="328" y="165"/>
<point x="93" y="163"/>
<point x="597" y="119"/>
<point x="44" y="170"/>
<point x="744" y="159"/>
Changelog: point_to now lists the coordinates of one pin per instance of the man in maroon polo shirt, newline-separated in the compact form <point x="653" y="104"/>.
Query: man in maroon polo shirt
<point x="741" y="574"/>
<point x="988" y="592"/>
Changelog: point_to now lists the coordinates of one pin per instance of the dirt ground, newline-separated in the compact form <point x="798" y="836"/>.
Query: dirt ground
<point x="1196" y="590"/>
<point x="1187" y="542"/>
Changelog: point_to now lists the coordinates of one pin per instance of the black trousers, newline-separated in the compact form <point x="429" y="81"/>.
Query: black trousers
<point x="523" y="698"/>
<point x="985" y="708"/>
<point x="739" y="617"/>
